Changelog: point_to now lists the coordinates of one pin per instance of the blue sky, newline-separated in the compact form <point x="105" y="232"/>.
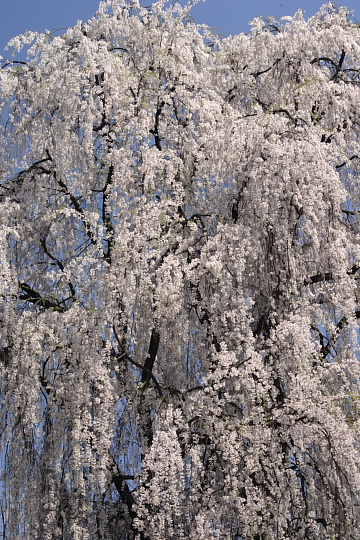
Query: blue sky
<point x="227" y="16"/>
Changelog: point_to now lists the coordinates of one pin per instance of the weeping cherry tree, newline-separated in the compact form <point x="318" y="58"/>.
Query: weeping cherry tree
<point x="179" y="279"/>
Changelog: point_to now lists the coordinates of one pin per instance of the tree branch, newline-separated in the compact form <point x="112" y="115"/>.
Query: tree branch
<point x="155" y="130"/>
<point x="109" y="227"/>
<point x="32" y="296"/>
<point x="143" y="368"/>
<point x="151" y="356"/>
<point x="59" y="264"/>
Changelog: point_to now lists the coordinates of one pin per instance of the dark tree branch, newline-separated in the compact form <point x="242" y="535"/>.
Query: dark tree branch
<point x="21" y="62"/>
<point x="339" y="66"/>
<point x="257" y="73"/>
<point x="99" y="81"/>
<point x="204" y="319"/>
<point x="109" y="227"/>
<point x="345" y="162"/>
<point x="32" y="296"/>
<point x="120" y="482"/>
<point x="236" y="203"/>
<point x="323" y="59"/>
<point x="59" y="264"/>
<point x="20" y="176"/>
<point x="327" y="348"/>
<point x="77" y="207"/>
<point x="126" y="356"/>
<point x="151" y="356"/>
<point x="327" y="276"/>
<point x="155" y="130"/>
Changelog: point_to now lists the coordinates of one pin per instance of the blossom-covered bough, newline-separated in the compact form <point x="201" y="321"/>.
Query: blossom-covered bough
<point x="179" y="279"/>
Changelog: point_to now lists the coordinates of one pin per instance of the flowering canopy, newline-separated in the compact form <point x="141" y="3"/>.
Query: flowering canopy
<point x="179" y="279"/>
